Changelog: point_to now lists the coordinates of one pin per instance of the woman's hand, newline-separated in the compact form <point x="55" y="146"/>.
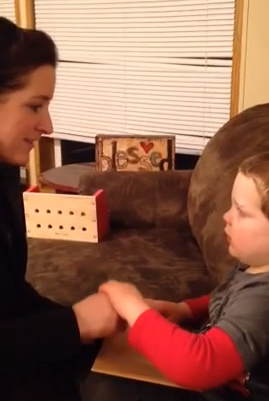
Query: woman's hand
<point x="96" y="318"/>
<point x="125" y="299"/>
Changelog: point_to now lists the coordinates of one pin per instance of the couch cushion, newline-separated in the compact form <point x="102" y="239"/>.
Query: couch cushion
<point x="210" y="189"/>
<point x="141" y="199"/>
<point x="163" y="263"/>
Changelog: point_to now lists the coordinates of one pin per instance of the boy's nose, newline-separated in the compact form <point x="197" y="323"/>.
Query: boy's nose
<point x="227" y="217"/>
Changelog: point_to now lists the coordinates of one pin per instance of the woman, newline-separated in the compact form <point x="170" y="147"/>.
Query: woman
<point x="35" y="332"/>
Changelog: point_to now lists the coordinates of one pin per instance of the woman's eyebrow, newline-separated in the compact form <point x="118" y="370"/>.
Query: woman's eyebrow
<point x="40" y="97"/>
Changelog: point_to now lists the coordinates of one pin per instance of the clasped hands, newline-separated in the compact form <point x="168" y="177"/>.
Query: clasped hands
<point x="105" y="313"/>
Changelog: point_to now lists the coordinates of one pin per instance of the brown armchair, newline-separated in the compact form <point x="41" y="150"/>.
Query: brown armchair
<point x="166" y="227"/>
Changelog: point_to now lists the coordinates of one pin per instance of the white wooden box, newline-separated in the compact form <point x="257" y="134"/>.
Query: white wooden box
<point x="66" y="217"/>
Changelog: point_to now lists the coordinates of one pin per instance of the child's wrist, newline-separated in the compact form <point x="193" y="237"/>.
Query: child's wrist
<point x="185" y="311"/>
<point x="135" y="312"/>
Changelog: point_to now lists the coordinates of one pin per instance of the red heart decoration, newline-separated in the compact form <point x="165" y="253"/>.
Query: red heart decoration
<point x="146" y="146"/>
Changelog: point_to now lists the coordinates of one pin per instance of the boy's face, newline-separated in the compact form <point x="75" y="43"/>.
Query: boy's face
<point x="247" y="228"/>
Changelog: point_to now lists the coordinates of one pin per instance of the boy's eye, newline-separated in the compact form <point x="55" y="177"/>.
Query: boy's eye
<point x="241" y="213"/>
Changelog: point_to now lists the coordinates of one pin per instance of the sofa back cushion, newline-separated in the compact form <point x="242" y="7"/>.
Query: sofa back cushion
<point x="210" y="188"/>
<point x="142" y="199"/>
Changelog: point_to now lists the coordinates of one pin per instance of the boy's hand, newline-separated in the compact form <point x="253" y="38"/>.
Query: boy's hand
<point x="175" y="312"/>
<point x="127" y="301"/>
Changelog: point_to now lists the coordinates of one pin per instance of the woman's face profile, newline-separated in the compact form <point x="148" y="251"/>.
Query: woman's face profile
<point x="24" y="116"/>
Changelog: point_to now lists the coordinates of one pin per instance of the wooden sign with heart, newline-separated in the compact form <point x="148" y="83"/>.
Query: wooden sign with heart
<point x="135" y="153"/>
<point x="146" y="146"/>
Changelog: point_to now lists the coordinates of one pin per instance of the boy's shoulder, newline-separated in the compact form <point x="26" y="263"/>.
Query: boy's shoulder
<point x="241" y="280"/>
<point x="238" y="279"/>
<point x="240" y="290"/>
<point x="240" y="307"/>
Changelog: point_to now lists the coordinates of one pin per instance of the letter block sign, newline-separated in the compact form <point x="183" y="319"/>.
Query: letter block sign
<point x="135" y="153"/>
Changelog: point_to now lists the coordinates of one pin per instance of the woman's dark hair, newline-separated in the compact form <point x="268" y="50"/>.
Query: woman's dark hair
<point x="21" y="52"/>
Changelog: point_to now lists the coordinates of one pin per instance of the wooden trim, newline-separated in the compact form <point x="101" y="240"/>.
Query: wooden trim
<point x="237" y="52"/>
<point x="17" y="12"/>
<point x="57" y="154"/>
<point x="36" y="161"/>
<point x="30" y="13"/>
<point x="27" y="20"/>
<point x="25" y="17"/>
<point x="47" y="154"/>
<point x="33" y="166"/>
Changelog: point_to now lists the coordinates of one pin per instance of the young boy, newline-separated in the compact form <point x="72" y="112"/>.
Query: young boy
<point x="229" y="358"/>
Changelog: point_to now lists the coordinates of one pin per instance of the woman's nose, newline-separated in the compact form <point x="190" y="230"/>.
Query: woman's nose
<point x="46" y="125"/>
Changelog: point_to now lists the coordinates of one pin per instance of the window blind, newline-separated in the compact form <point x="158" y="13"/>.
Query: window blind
<point x="141" y="67"/>
<point x="7" y="9"/>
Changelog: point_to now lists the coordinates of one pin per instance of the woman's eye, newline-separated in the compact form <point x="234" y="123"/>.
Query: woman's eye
<point x="36" y="108"/>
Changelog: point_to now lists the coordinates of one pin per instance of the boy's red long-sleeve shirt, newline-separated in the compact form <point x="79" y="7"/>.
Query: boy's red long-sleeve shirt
<point x="199" y="307"/>
<point x="192" y="361"/>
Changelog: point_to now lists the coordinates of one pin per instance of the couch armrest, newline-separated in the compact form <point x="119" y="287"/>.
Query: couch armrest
<point x="142" y="199"/>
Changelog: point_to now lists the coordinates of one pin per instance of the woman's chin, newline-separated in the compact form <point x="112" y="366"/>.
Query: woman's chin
<point x="19" y="160"/>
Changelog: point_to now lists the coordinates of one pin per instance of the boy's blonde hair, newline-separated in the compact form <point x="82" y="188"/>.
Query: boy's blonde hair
<point x="257" y="168"/>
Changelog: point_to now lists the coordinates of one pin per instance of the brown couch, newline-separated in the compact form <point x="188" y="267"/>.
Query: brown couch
<point x="166" y="237"/>
<point x="166" y="227"/>
<point x="150" y="242"/>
